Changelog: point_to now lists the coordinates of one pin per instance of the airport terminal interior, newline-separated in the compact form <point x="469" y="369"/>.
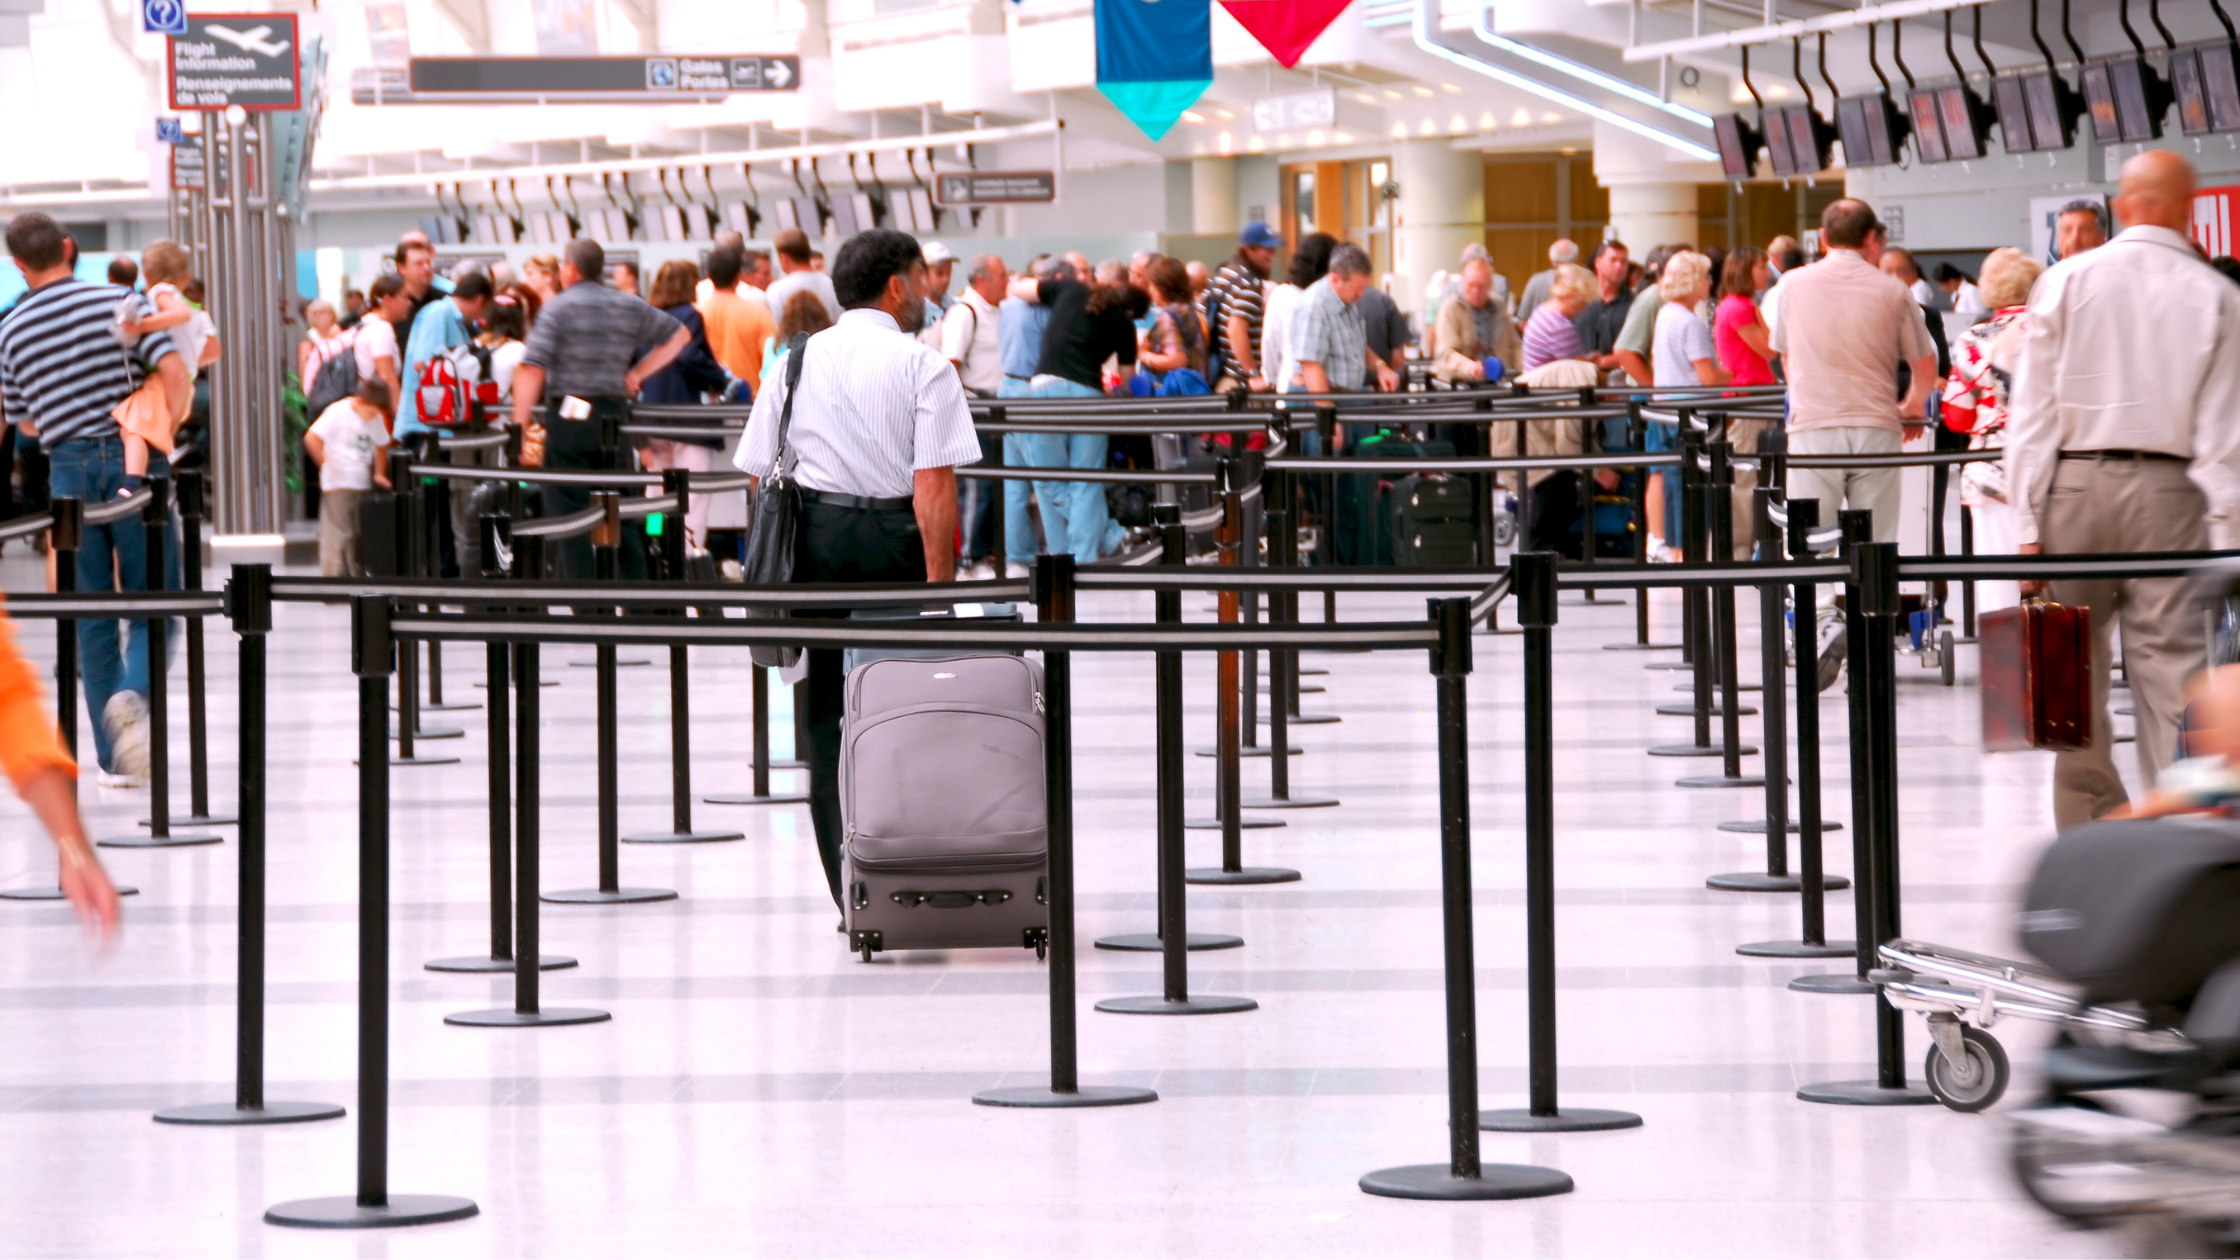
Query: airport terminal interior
<point x="1446" y="766"/>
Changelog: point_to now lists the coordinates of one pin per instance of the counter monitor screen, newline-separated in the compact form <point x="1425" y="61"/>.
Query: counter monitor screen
<point x="2141" y="121"/>
<point x="2014" y="114"/>
<point x="1738" y="144"/>
<point x="1804" y="140"/>
<point x="1776" y="131"/>
<point x="2049" y="126"/>
<point x="1962" y="142"/>
<point x="1928" y="133"/>
<point x="2100" y="102"/>
<point x="2220" y="84"/>
<point x="2193" y="102"/>
<point x="1864" y="124"/>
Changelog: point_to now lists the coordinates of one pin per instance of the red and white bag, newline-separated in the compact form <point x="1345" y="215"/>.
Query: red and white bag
<point x="455" y="387"/>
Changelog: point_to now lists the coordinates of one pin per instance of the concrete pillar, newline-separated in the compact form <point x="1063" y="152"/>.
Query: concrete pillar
<point x="1442" y="207"/>
<point x="1213" y="196"/>
<point x="1649" y="215"/>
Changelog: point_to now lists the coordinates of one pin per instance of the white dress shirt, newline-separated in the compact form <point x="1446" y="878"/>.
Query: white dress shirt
<point x="971" y="339"/>
<point x="876" y="405"/>
<point x="2134" y="346"/>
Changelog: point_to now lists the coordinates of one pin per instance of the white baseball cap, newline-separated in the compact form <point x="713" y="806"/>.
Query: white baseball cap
<point x="938" y="253"/>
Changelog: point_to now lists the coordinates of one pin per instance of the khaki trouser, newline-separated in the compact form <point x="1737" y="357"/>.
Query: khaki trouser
<point x="1541" y="437"/>
<point x="1874" y="490"/>
<point x="338" y="533"/>
<point x="2126" y="505"/>
<point x="1743" y="436"/>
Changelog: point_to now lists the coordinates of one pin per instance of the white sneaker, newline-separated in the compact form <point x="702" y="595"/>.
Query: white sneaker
<point x="108" y="780"/>
<point x="1012" y="571"/>
<point x="979" y="571"/>
<point x="125" y="717"/>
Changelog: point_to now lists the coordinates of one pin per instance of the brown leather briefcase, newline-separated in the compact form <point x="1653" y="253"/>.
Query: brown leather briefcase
<point x="2037" y="677"/>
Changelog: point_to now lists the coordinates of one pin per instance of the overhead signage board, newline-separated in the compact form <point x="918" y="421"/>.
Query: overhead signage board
<point x="983" y="188"/>
<point x="641" y="79"/>
<point x="1289" y="111"/>
<point x="187" y="172"/>
<point x="228" y="59"/>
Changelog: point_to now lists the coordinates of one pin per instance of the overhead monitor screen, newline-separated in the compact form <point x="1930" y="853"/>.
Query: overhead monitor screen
<point x="2220" y="83"/>
<point x="1864" y="124"/>
<point x="1928" y="133"/>
<point x="1735" y="139"/>
<point x="2100" y="104"/>
<point x="2014" y="114"/>
<point x="2193" y="103"/>
<point x="1804" y="140"/>
<point x="2048" y="128"/>
<point x="1776" y="132"/>
<point x="2140" y="122"/>
<point x="1961" y="141"/>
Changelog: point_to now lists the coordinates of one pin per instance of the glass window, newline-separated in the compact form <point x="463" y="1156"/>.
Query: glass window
<point x="1302" y="201"/>
<point x="1380" y="210"/>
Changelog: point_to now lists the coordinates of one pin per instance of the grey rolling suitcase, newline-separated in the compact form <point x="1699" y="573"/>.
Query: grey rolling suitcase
<point x="942" y="797"/>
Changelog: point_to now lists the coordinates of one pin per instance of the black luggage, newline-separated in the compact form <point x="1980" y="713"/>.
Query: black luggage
<point x="1364" y="525"/>
<point x="1432" y="522"/>
<point x="2137" y="910"/>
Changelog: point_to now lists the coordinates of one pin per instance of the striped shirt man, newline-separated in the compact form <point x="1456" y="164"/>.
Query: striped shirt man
<point x="61" y="368"/>
<point x="875" y="407"/>
<point x="1240" y="291"/>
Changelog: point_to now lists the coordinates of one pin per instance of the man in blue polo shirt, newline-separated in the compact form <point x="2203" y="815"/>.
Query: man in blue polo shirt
<point x="445" y="324"/>
<point x="1019" y="344"/>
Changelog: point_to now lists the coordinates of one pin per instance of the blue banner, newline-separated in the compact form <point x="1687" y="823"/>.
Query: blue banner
<point x="1154" y="58"/>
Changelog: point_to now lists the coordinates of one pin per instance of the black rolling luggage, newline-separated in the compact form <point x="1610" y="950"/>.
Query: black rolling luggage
<point x="1432" y="522"/>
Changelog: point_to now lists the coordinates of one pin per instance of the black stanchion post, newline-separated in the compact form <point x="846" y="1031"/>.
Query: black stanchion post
<point x="155" y="522"/>
<point x="1534" y="583"/>
<point x="1283" y="664"/>
<point x="678" y="481"/>
<point x="411" y="544"/>
<point x="606" y="542"/>
<point x="1463" y="1176"/>
<point x="1248" y="607"/>
<point x="1228" y="720"/>
<point x="1174" y="542"/>
<point x="1857" y="528"/>
<point x="1873" y="594"/>
<point x="1692" y="526"/>
<point x="1636" y="435"/>
<point x="1967" y="586"/>
<point x="1723" y="639"/>
<point x="1053" y="581"/>
<point x="249" y="604"/>
<point x="1804" y="517"/>
<point x="373" y="656"/>
<point x="1326" y="538"/>
<point x="188" y="486"/>
<point x="1698" y="655"/>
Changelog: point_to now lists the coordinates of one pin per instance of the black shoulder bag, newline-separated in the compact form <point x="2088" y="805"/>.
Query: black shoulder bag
<point x="774" y="532"/>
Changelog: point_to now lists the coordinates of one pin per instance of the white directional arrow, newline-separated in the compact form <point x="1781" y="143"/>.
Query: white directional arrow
<point x="779" y="74"/>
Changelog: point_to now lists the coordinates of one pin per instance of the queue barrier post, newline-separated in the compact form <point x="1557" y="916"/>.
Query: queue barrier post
<point x="155" y="526"/>
<point x="189" y="487"/>
<point x="678" y="482"/>
<point x="1283" y="663"/>
<point x="249" y="605"/>
<point x="606" y="545"/>
<point x="1813" y="942"/>
<point x="1690" y="447"/>
<point x="373" y="657"/>
<point x="1637" y="433"/>
<point x="497" y="551"/>
<point x="1724" y="635"/>
<point x="1463" y="1176"/>
<point x="1054" y="602"/>
<point x="411" y="519"/>
<point x="1698" y="653"/>
<point x="1872" y="595"/>
<point x="1533" y="579"/>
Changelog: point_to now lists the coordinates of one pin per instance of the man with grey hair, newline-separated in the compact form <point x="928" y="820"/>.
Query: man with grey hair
<point x="1561" y="253"/>
<point x="2081" y="226"/>
<point x="972" y="340"/>
<point x="1327" y="338"/>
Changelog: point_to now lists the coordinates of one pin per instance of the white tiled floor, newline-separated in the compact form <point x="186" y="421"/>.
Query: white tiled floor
<point x="759" y="1091"/>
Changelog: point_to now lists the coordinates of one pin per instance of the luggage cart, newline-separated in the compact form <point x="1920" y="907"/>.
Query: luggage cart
<point x="1963" y="994"/>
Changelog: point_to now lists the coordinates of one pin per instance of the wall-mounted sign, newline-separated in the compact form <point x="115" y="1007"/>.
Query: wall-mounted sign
<point x="1292" y="110"/>
<point x="169" y="130"/>
<point x="187" y="172"/>
<point x="980" y="188"/>
<point x="245" y="59"/>
<point x="163" y="17"/>
<point x="438" y="79"/>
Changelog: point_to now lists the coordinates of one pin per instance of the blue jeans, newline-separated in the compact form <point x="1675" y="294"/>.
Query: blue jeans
<point x="975" y="499"/>
<point x="1034" y="450"/>
<point x="1018" y="526"/>
<point x="91" y="470"/>
<point x="1659" y="439"/>
<point x="1090" y="533"/>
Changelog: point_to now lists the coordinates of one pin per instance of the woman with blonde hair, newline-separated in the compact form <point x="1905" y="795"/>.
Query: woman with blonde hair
<point x="542" y="274"/>
<point x="1684" y="356"/>
<point x="1975" y="403"/>
<point x="1549" y="334"/>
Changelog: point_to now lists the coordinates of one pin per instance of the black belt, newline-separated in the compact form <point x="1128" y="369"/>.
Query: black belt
<point x="2180" y="459"/>
<point x="859" y="502"/>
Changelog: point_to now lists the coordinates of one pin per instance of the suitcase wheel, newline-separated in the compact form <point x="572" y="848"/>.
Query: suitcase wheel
<point x="866" y="942"/>
<point x="1038" y="940"/>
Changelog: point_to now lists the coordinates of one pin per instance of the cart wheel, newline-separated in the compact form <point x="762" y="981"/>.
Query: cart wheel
<point x="1975" y="1084"/>
<point x="1944" y="655"/>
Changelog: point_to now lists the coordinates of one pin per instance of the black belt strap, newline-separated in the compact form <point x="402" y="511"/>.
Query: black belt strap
<point x="832" y="498"/>
<point x="2116" y="454"/>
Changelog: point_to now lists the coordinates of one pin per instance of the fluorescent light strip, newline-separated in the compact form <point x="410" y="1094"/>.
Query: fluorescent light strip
<point x="1421" y="31"/>
<point x="1482" y="25"/>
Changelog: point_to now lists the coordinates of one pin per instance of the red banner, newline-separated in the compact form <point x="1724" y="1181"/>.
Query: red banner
<point x="2216" y="220"/>
<point x="1285" y="27"/>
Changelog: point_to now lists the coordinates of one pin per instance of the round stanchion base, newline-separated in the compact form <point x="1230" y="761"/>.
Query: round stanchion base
<point x="1249" y="750"/>
<point x="1243" y="824"/>
<point x="1308" y="719"/>
<point x="1759" y="881"/>
<point x="1798" y="949"/>
<point x="788" y="763"/>
<point x="1865" y="1094"/>
<point x="1565" y="1120"/>
<point x="1669" y="665"/>
<point x="1085" y="1096"/>
<point x="1437" y="1183"/>
<point x="1640" y="647"/>
<point x="1156" y="1005"/>
<point x="1289" y="802"/>
<point x="592" y="662"/>
<point x="448" y="706"/>
<point x="1720" y="781"/>
<point x="230" y="1114"/>
<point x="343" y="1211"/>
<point x="1149" y="942"/>
<point x="1839" y="983"/>
<point x="542" y="683"/>
<point x="1740" y="686"/>
<point x="471" y="965"/>
<point x="507" y="1017"/>
<point x="1247" y="875"/>
<point x="416" y="760"/>
<point x="197" y="820"/>
<point x="749" y="798"/>
<point x="1309" y="670"/>
<point x="602" y="897"/>
<point x="1757" y="827"/>
<point x="1689" y="710"/>
<point x="684" y="837"/>
<point x="55" y="894"/>
<point x="1697" y="750"/>
<point x="176" y="840"/>
<point x="430" y="732"/>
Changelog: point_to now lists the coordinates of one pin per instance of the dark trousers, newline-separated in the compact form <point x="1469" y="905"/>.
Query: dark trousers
<point x="845" y="545"/>
<point x="573" y="446"/>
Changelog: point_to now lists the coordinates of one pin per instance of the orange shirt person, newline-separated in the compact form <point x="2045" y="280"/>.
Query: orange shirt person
<point x="737" y="328"/>
<point x="32" y="756"/>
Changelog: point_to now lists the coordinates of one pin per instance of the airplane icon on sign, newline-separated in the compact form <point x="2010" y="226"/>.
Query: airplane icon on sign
<point x="256" y="40"/>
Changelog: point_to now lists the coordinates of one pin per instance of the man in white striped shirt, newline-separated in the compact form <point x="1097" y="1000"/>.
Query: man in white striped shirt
<point x="878" y="430"/>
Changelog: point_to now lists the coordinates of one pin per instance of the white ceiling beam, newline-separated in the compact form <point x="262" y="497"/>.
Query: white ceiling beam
<point x="1779" y="31"/>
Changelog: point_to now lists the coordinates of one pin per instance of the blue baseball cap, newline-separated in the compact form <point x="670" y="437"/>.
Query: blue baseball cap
<point x="1258" y="235"/>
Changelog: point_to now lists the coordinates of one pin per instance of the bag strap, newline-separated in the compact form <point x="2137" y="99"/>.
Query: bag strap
<point x="797" y="348"/>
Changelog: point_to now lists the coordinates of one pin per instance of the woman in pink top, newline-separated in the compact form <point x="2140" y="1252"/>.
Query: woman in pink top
<point x="1739" y="332"/>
